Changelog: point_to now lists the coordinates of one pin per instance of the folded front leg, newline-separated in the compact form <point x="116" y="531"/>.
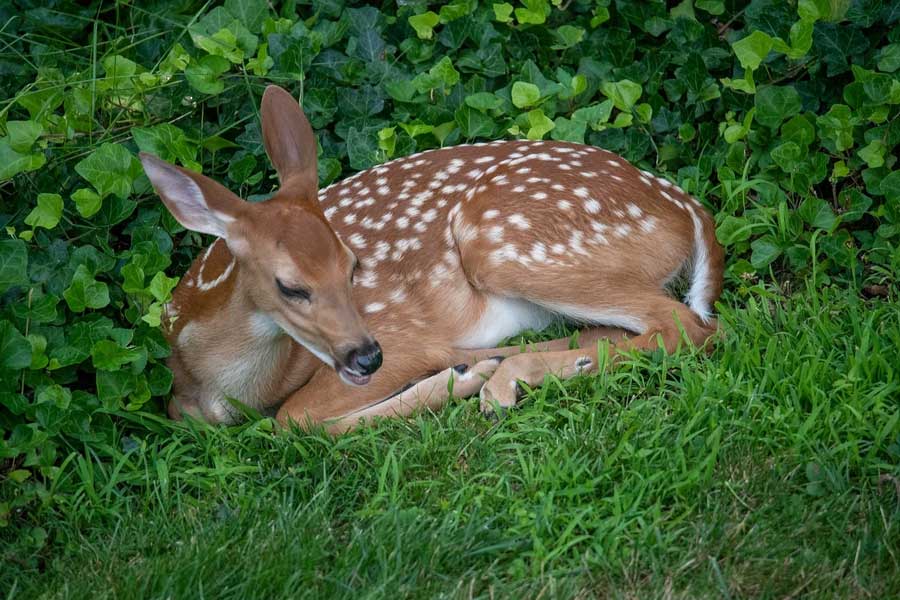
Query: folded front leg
<point x="434" y="392"/>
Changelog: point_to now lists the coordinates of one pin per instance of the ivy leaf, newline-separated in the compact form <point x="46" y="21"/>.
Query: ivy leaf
<point x="503" y="12"/>
<point x="87" y="202"/>
<point x="12" y="162"/>
<point x="111" y="169"/>
<point x="525" y="94"/>
<point x="539" y="124"/>
<point x="837" y="45"/>
<point x="424" y="24"/>
<point x="535" y="12"/>
<point x="85" y="291"/>
<point x="889" y="58"/>
<point x="818" y="213"/>
<point x="568" y="36"/>
<point x="13" y="264"/>
<point x="751" y="50"/>
<point x="23" y="134"/>
<point x="203" y="75"/>
<point x="114" y="386"/>
<point x="765" y="250"/>
<point x="110" y="356"/>
<point x="774" y="104"/>
<point x="787" y="156"/>
<point x="251" y="13"/>
<point x="47" y="213"/>
<point x="624" y="94"/>
<point x="873" y="153"/>
<point x="15" y="350"/>
<point x="168" y="142"/>
<point x="161" y="286"/>
<point x="836" y="127"/>
<point x="474" y="123"/>
<point x="483" y="101"/>
<point x="890" y="187"/>
<point x="568" y="130"/>
<point x="594" y="115"/>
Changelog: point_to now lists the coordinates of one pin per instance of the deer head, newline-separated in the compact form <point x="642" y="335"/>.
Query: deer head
<point x="292" y="267"/>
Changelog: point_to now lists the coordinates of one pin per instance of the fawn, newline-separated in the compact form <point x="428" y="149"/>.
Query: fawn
<point x="423" y="264"/>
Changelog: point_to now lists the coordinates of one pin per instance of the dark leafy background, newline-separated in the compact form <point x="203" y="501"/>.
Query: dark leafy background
<point x="782" y="117"/>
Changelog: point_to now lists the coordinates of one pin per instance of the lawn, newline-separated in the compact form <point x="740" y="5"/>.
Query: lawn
<point x="768" y="469"/>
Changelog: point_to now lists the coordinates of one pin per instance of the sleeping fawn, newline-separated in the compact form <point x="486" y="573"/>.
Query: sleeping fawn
<point x="379" y="294"/>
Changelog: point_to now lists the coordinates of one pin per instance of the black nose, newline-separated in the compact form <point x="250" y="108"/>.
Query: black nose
<point x="366" y="359"/>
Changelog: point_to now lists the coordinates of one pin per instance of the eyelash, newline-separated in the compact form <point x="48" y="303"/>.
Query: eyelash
<point x="292" y="293"/>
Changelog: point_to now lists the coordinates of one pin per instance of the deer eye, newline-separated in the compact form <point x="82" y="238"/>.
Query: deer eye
<point x="292" y="293"/>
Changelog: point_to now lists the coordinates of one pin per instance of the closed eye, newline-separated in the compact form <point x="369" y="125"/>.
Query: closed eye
<point x="291" y="292"/>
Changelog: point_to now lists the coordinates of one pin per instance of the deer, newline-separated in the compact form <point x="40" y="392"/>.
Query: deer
<point x="389" y="292"/>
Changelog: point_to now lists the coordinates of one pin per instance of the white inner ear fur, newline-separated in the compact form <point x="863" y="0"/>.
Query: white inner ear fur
<point x="185" y="199"/>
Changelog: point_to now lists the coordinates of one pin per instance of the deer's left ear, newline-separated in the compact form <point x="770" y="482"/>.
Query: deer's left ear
<point x="196" y="201"/>
<point x="290" y="142"/>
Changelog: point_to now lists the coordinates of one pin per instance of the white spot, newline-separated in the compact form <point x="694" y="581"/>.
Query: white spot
<point x="484" y="159"/>
<point x="622" y="230"/>
<point x="592" y="206"/>
<point x="329" y="212"/>
<point x="575" y="243"/>
<point x="648" y="224"/>
<point x="403" y="222"/>
<point x="519" y="221"/>
<point x="357" y="240"/>
<point x="539" y="252"/>
<point x="383" y="190"/>
<point x="495" y="234"/>
<point x="558" y="248"/>
<point x="374" y="307"/>
<point x="582" y="192"/>
<point x="350" y="219"/>
<point x="564" y="205"/>
<point x="539" y="196"/>
<point x="634" y="211"/>
<point x="490" y="214"/>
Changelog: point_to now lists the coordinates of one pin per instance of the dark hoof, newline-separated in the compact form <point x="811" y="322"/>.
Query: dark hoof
<point x="461" y="368"/>
<point x="495" y="414"/>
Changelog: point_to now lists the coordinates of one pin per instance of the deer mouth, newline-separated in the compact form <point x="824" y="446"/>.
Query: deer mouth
<point x="350" y="376"/>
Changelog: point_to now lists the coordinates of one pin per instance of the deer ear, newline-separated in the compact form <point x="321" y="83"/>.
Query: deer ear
<point x="196" y="201"/>
<point x="289" y="140"/>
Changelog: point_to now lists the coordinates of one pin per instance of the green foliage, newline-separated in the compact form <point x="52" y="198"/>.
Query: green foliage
<point x="782" y="118"/>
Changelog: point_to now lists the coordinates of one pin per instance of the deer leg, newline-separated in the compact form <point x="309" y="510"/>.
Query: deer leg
<point x="501" y="390"/>
<point x="325" y="399"/>
<point x="433" y="392"/>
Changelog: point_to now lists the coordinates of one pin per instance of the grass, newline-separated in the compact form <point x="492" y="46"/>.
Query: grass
<point x="768" y="470"/>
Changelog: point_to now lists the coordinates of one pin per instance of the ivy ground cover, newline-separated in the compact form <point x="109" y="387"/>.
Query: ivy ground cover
<point x="769" y="469"/>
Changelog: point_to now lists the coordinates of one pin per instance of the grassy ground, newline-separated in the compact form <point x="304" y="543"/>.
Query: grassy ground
<point x="770" y="469"/>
